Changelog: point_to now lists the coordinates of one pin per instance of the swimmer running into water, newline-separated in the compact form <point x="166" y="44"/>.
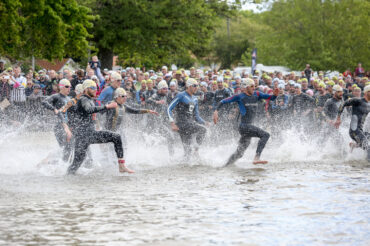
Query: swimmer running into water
<point x="248" y="103"/>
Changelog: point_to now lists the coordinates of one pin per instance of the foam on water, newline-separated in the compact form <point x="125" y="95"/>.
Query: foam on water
<point x="38" y="152"/>
<point x="306" y="196"/>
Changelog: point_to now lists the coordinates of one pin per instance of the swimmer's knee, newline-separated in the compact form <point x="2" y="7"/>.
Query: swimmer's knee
<point x="265" y="136"/>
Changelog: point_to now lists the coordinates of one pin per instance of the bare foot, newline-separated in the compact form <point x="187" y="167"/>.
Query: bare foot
<point x="124" y="169"/>
<point x="255" y="162"/>
<point x="352" y="145"/>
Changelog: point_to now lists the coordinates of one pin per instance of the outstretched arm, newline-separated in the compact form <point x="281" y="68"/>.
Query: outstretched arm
<point x="49" y="102"/>
<point x="349" y="102"/>
<point x="265" y="96"/>
<point x="90" y="109"/>
<point x="234" y="98"/>
<point x="131" y="110"/>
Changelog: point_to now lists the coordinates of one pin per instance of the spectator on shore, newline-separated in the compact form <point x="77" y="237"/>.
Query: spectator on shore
<point x="5" y="87"/>
<point x="29" y="87"/>
<point x="2" y="66"/>
<point x="78" y="80"/>
<point x="360" y="71"/>
<point x="18" y="83"/>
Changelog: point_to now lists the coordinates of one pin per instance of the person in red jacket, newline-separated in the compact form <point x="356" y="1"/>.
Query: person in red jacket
<point x="360" y="71"/>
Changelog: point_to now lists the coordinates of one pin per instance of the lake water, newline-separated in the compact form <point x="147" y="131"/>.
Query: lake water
<point x="304" y="196"/>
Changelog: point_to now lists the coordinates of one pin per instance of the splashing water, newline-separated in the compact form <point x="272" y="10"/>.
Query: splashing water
<point x="307" y="195"/>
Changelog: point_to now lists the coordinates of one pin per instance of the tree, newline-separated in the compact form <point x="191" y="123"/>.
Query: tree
<point x="230" y="46"/>
<point x="46" y="29"/>
<point x="150" y="33"/>
<point x="11" y="23"/>
<point x="330" y="35"/>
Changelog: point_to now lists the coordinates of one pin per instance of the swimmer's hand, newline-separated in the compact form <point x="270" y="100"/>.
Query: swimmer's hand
<point x="337" y="123"/>
<point x="174" y="127"/>
<point x="215" y="117"/>
<point x="69" y="135"/>
<point x="111" y="105"/>
<point x="153" y="112"/>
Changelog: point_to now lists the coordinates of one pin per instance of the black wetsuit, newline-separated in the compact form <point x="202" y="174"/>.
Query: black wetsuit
<point x="331" y="108"/>
<point x="301" y="104"/>
<point x="171" y="95"/>
<point x="71" y="119"/>
<point x="57" y="101"/>
<point x="330" y="112"/>
<point x="181" y="86"/>
<point x="320" y="102"/>
<point x="360" y="109"/>
<point x="206" y="105"/>
<point x="188" y="120"/>
<point x="278" y="109"/>
<point x="160" y="123"/>
<point x="220" y="95"/>
<point x="71" y="115"/>
<point x="114" y="116"/>
<point x="147" y="94"/>
<point x="86" y="133"/>
<point x="248" y="109"/>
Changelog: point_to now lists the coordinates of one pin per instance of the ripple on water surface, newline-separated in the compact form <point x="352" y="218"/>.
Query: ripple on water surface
<point x="164" y="203"/>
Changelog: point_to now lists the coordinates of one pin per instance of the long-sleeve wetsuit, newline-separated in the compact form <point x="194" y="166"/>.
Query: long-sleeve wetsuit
<point x="329" y="113"/>
<point x="206" y="105"/>
<point x="187" y="119"/>
<point x="114" y="116"/>
<point x="160" y="123"/>
<point x="86" y="133"/>
<point x="248" y="109"/>
<point x="57" y="101"/>
<point x="331" y="108"/>
<point x="360" y="109"/>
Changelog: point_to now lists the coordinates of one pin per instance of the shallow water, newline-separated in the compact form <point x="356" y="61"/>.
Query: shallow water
<point x="304" y="200"/>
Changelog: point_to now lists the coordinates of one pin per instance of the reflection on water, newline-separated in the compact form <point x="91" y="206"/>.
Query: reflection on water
<point x="164" y="203"/>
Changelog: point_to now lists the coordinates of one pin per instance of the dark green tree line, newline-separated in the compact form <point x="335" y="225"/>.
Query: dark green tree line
<point x="44" y="28"/>
<point x="154" y="32"/>
<point x="327" y="34"/>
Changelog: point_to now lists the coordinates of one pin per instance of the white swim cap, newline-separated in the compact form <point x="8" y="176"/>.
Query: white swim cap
<point x="116" y="76"/>
<point x="337" y="88"/>
<point x="162" y="84"/>
<point x="246" y="83"/>
<point x="203" y="84"/>
<point x="367" y="88"/>
<point x="119" y="92"/>
<point x="88" y="83"/>
<point x="79" y="89"/>
<point x="191" y="82"/>
<point x="281" y="86"/>
<point x="64" y="82"/>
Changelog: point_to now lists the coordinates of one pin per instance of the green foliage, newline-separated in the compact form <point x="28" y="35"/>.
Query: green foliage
<point x="44" y="28"/>
<point x="11" y="26"/>
<point x="330" y="34"/>
<point x="233" y="48"/>
<point x="326" y="34"/>
<point x="155" y="32"/>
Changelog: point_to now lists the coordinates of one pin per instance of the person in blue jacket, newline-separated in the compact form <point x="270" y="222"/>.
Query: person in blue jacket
<point x="248" y="103"/>
<point x="188" y="121"/>
<point x="106" y="95"/>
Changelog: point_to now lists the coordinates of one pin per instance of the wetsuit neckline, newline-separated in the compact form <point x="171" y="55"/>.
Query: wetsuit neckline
<point x="188" y="94"/>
